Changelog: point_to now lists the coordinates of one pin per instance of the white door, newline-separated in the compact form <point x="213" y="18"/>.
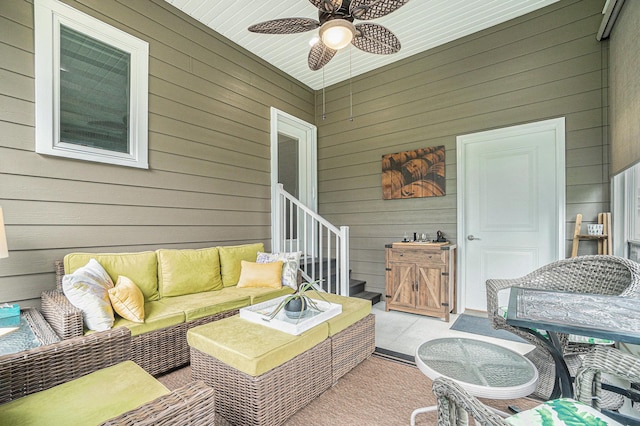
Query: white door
<point x="293" y="163"/>
<point x="511" y="203"/>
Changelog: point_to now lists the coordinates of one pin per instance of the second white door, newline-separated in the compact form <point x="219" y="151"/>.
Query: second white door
<point x="511" y="204"/>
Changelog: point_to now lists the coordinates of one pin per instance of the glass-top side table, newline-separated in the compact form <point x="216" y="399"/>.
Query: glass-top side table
<point x="32" y="332"/>
<point x="484" y="369"/>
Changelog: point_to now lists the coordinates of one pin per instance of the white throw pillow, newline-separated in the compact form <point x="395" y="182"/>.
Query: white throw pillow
<point x="290" y="265"/>
<point x="87" y="289"/>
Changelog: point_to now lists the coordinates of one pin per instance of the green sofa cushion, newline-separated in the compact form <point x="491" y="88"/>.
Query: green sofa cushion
<point x="88" y="400"/>
<point x="258" y="295"/>
<point x="353" y="310"/>
<point x="252" y="348"/>
<point x="201" y="305"/>
<point x="188" y="271"/>
<point x="156" y="317"/>
<point x="230" y="257"/>
<point x="141" y="268"/>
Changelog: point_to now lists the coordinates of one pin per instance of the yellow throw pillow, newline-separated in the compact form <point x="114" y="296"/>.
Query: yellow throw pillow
<point x="268" y="275"/>
<point x="127" y="300"/>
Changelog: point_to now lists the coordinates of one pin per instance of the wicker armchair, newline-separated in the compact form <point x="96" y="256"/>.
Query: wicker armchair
<point x="597" y="274"/>
<point x="44" y="367"/>
<point x="38" y="369"/>
<point x="456" y="406"/>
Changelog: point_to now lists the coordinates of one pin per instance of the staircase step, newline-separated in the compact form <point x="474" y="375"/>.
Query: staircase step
<point x="309" y="264"/>
<point x="368" y="295"/>
<point x="356" y="286"/>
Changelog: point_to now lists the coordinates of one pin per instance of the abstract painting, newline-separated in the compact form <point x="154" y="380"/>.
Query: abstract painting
<point x="413" y="174"/>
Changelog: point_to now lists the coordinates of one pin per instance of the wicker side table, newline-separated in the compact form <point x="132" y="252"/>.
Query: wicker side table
<point x="33" y="331"/>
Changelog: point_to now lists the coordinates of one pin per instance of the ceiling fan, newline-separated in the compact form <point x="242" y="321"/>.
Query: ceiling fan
<point x="335" y="20"/>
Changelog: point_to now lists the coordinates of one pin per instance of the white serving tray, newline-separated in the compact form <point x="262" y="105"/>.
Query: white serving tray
<point x="260" y="312"/>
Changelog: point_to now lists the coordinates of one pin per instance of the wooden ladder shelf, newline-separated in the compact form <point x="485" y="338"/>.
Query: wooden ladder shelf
<point x="604" y="240"/>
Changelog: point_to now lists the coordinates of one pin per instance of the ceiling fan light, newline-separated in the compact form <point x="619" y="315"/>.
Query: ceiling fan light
<point x="337" y="33"/>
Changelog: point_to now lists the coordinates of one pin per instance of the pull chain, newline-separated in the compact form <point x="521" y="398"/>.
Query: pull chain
<point x="324" y="112"/>
<point x="350" y="91"/>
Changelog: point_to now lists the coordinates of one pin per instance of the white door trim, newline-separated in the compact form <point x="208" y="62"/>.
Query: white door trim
<point x="556" y="124"/>
<point x="311" y="132"/>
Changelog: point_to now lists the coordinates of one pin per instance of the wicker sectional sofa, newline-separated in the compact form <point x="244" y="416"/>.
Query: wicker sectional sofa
<point x="172" y="305"/>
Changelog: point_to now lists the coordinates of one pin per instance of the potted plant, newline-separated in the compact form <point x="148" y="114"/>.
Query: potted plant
<point x="295" y="305"/>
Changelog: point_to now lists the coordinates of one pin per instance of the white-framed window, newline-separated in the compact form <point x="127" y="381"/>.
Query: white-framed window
<point x="91" y="88"/>
<point x="626" y="201"/>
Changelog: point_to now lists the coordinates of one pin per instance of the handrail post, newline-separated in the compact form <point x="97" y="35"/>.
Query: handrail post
<point x="276" y="238"/>
<point x="344" y="260"/>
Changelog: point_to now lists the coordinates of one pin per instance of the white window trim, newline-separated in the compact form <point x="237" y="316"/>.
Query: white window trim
<point x="625" y="206"/>
<point x="49" y="14"/>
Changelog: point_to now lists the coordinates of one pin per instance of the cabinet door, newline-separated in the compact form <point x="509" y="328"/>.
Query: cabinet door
<point x="430" y="288"/>
<point x="402" y="288"/>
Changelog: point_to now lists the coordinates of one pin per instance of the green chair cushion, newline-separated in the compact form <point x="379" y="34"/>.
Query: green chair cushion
<point x="230" y="257"/>
<point x="88" y="400"/>
<point x="201" y="305"/>
<point x="353" y="310"/>
<point x="252" y="348"/>
<point x="188" y="271"/>
<point x="156" y="316"/>
<point x="561" y="412"/>
<point x="141" y="268"/>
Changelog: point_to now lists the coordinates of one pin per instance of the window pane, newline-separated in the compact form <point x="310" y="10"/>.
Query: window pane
<point x="94" y="92"/>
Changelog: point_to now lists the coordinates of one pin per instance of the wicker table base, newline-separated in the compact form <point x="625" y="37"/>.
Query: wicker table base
<point x="352" y="345"/>
<point x="270" y="398"/>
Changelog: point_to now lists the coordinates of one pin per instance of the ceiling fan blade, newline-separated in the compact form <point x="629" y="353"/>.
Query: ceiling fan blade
<point x="285" y="26"/>
<point x="374" y="38"/>
<point x="328" y="6"/>
<point x="372" y="9"/>
<point x="320" y="55"/>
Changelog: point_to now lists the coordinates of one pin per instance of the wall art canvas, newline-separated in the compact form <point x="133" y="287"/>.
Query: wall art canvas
<point x="413" y="174"/>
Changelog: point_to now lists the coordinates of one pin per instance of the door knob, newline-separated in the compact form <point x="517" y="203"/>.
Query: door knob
<point x="471" y="237"/>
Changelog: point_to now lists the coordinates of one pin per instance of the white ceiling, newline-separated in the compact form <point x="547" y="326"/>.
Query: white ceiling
<point x="420" y="25"/>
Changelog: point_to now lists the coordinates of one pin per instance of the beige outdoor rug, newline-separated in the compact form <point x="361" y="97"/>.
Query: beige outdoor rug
<point x="376" y="392"/>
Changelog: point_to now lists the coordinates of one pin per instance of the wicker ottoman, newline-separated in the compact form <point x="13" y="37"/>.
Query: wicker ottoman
<point x="352" y="333"/>
<point x="260" y="376"/>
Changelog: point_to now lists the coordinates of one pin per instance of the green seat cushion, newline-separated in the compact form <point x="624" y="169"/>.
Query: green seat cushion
<point x="141" y="268"/>
<point x="156" y="317"/>
<point x="188" y="271"/>
<point x="353" y="310"/>
<point x="252" y="348"/>
<point x="258" y="295"/>
<point x="202" y="305"/>
<point x="561" y="412"/>
<point x="230" y="258"/>
<point x="88" y="400"/>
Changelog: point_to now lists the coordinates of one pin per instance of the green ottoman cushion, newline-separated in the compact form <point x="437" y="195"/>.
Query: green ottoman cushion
<point x="88" y="400"/>
<point x="252" y="348"/>
<point x="353" y="310"/>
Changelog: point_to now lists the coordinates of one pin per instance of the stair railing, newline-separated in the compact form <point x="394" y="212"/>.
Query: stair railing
<point x="324" y="247"/>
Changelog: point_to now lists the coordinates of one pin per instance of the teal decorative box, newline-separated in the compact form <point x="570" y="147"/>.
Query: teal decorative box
<point x="7" y="310"/>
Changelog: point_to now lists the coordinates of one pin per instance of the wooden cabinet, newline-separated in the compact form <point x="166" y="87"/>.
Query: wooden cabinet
<point x="420" y="278"/>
